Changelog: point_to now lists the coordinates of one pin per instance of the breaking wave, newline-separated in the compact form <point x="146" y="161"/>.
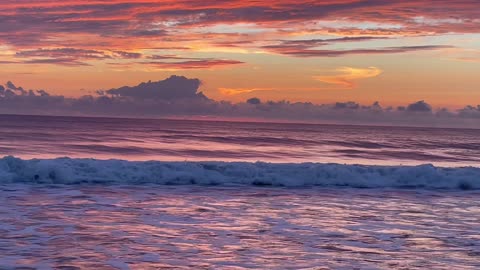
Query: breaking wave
<point x="92" y="171"/>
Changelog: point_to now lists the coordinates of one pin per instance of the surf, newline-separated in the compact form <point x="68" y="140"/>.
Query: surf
<point x="73" y="171"/>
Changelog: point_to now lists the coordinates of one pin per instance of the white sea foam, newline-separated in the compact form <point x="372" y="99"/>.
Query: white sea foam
<point x="77" y="171"/>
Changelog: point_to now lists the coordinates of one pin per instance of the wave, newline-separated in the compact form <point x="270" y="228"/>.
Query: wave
<point x="91" y="171"/>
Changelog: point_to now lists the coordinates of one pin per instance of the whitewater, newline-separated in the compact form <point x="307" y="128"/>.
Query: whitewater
<point x="91" y="171"/>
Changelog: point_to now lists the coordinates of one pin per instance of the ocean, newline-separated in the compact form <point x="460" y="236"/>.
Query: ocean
<point x="113" y="193"/>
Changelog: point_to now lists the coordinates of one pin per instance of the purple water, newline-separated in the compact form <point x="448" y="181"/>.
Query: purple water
<point x="179" y="140"/>
<point x="202" y="211"/>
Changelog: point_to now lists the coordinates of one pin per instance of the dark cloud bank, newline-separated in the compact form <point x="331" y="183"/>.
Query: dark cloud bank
<point x="178" y="96"/>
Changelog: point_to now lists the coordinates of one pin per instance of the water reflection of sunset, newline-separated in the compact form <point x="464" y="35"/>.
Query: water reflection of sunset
<point x="187" y="227"/>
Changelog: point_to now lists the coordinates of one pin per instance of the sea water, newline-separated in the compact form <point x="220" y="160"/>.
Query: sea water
<point x="83" y="193"/>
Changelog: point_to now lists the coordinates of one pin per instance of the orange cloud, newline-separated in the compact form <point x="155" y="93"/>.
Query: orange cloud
<point x="193" y="64"/>
<point x="237" y="91"/>
<point x="238" y="26"/>
<point x="348" y="75"/>
<point x="40" y="22"/>
<point x="179" y="65"/>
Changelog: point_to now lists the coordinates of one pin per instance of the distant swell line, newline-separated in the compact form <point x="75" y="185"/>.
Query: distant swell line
<point x="91" y="171"/>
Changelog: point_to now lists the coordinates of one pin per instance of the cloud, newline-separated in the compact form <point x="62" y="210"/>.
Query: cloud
<point x="348" y="75"/>
<point x="301" y="51"/>
<point x="11" y="90"/>
<point x="170" y="57"/>
<point x="79" y="57"/>
<point x="254" y="101"/>
<point x="10" y="85"/>
<point x="150" y="33"/>
<point x="346" y="105"/>
<point x="179" y="63"/>
<point x="312" y="47"/>
<point x="127" y="55"/>
<point x="71" y="56"/>
<point x="420" y="106"/>
<point x="57" y="61"/>
<point x="147" y="24"/>
<point x="470" y="111"/>
<point x="172" y="88"/>
<point x="8" y="62"/>
<point x="192" y="64"/>
<point x="311" y="43"/>
<point x="64" y="53"/>
<point x="237" y="91"/>
<point x="181" y="96"/>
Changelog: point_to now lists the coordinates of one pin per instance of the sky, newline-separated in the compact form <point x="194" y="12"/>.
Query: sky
<point x="396" y="53"/>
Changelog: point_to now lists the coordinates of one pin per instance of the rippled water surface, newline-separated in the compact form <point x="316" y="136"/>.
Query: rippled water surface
<point x="128" y="223"/>
<point x="198" y="227"/>
<point x="145" y="139"/>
